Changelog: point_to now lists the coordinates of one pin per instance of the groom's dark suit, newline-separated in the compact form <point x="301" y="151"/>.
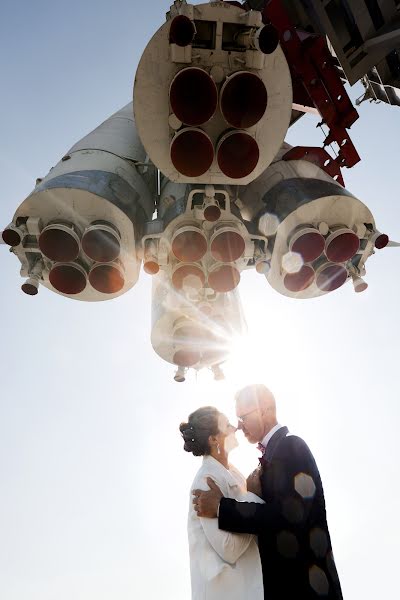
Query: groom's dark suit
<point x="291" y="526"/>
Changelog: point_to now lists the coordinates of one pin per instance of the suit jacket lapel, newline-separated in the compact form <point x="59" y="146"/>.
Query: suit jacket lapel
<point x="274" y="442"/>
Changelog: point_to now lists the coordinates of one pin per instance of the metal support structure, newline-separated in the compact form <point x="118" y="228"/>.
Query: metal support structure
<point x="313" y="69"/>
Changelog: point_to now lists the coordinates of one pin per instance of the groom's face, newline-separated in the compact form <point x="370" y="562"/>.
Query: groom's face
<point x="250" y="421"/>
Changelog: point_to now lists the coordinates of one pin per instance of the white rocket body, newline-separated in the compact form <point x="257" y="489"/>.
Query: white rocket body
<point x="197" y="212"/>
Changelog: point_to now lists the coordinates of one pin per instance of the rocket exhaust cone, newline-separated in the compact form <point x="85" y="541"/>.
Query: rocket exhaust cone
<point x="106" y="278"/>
<point x="227" y="246"/>
<point x="193" y="96"/>
<point x="224" y="278"/>
<point x="244" y="100"/>
<point x="59" y="243"/>
<point x="189" y="245"/>
<point x="151" y="267"/>
<point x="101" y="245"/>
<point x="182" y="31"/>
<point x="300" y="281"/>
<point x="268" y="39"/>
<point x="381" y="241"/>
<point x="331" y="277"/>
<point x="342" y="245"/>
<point x="192" y="152"/>
<point x="186" y="358"/>
<point x="188" y="276"/>
<point x="11" y="238"/>
<point x="68" y="278"/>
<point x="309" y="243"/>
<point x="237" y="154"/>
<point x="212" y="213"/>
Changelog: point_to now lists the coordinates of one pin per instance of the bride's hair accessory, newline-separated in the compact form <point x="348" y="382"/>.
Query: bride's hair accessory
<point x="201" y="424"/>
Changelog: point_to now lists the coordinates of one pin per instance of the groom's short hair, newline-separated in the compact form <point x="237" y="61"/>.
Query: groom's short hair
<point x="256" y="393"/>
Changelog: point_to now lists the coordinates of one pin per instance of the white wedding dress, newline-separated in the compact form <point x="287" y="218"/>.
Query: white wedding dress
<point x="223" y="565"/>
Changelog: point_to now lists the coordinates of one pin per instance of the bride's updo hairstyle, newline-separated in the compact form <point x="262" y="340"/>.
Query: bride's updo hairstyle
<point x="202" y="423"/>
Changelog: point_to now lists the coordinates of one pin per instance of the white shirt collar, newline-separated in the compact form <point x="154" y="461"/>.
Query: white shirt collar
<point x="270" y="434"/>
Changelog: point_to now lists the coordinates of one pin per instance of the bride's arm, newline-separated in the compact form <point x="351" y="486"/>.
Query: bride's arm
<point x="229" y="546"/>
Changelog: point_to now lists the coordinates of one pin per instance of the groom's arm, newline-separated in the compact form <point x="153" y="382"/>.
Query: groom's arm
<point x="294" y="479"/>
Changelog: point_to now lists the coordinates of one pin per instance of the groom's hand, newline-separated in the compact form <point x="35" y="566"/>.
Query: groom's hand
<point x="206" y="503"/>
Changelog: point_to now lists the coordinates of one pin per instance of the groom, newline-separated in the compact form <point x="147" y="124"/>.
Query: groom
<point x="291" y="526"/>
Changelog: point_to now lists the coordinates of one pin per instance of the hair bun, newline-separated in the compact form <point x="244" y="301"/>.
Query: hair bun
<point x="202" y="423"/>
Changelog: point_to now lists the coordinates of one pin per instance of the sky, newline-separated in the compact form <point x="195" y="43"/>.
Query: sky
<point x="94" y="482"/>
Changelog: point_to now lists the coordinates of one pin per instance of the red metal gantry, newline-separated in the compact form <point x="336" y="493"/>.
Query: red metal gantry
<point x="316" y="82"/>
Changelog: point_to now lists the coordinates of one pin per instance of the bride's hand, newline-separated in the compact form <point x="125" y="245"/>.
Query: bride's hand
<point x="254" y="482"/>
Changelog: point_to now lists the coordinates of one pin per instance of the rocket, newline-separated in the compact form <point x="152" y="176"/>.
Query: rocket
<point x="193" y="182"/>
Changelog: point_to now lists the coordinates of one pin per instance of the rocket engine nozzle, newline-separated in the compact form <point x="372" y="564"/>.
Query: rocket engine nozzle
<point x="227" y="245"/>
<point x="12" y="235"/>
<point x="189" y="244"/>
<point x="101" y="243"/>
<point x="107" y="278"/>
<point x="341" y="245"/>
<point x="330" y="277"/>
<point x="308" y="242"/>
<point x="238" y="154"/>
<point x="192" y="152"/>
<point x="182" y="31"/>
<point x="223" y="278"/>
<point x="60" y="243"/>
<point x="68" y="278"/>
<point x="244" y="99"/>
<point x="193" y="96"/>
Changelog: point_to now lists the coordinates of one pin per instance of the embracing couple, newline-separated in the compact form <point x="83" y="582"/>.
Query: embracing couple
<point x="266" y="537"/>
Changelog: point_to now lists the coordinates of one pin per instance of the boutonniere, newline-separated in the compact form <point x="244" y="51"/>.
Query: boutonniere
<point x="262" y="459"/>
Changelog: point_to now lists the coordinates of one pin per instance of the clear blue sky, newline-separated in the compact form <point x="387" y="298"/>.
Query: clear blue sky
<point x="93" y="479"/>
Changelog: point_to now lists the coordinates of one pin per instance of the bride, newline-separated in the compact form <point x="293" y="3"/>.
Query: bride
<point x="222" y="564"/>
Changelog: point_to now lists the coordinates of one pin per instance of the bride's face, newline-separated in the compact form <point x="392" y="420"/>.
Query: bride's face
<point x="226" y="437"/>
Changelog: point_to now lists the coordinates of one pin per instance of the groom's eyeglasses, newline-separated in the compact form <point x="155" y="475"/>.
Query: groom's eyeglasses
<point x="242" y="418"/>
